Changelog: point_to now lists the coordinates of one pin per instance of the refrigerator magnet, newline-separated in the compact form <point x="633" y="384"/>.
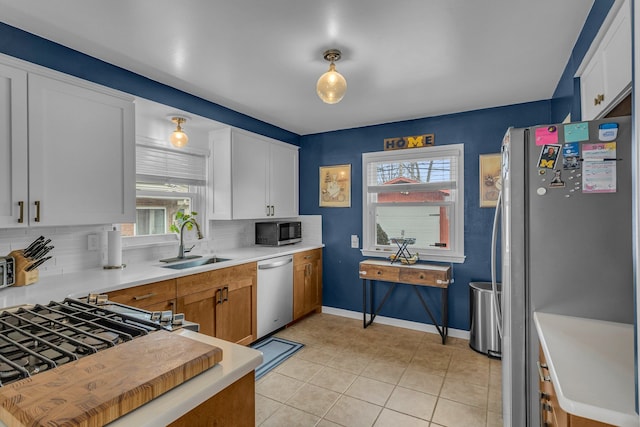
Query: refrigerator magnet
<point x="546" y="135"/>
<point x="571" y="156"/>
<point x="557" y="181"/>
<point x="607" y="131"/>
<point x="548" y="156"/>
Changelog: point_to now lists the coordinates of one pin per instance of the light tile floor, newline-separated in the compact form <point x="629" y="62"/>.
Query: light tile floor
<point x="380" y="376"/>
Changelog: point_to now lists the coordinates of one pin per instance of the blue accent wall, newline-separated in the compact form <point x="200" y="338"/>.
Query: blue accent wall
<point x="480" y="131"/>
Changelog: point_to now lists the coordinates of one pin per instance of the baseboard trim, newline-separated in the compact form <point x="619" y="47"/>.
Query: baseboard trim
<point x="417" y="326"/>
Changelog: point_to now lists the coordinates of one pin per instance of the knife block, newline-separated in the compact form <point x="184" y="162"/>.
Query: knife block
<point x="23" y="277"/>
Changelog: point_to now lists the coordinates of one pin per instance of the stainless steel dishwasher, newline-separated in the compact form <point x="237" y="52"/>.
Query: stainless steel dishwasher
<point x="275" y="294"/>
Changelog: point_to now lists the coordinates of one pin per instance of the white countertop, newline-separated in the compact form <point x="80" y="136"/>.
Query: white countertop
<point x="591" y="364"/>
<point x="99" y="280"/>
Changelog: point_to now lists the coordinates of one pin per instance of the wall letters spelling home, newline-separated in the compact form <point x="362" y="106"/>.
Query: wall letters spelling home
<point x="417" y="141"/>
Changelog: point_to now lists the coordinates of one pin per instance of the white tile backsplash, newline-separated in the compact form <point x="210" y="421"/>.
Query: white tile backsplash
<point x="71" y="254"/>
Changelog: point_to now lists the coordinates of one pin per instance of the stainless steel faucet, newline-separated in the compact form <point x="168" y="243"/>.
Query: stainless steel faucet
<point x="181" y="249"/>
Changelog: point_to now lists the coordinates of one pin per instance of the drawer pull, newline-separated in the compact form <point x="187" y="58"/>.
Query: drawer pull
<point x="308" y="256"/>
<point x="378" y="272"/>
<point x="362" y="273"/>
<point x="442" y="282"/>
<point x="542" y="366"/>
<point x="421" y="276"/>
<point x="141" y="297"/>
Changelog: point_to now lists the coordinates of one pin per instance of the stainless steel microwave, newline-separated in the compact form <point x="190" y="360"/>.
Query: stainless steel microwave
<point x="278" y="233"/>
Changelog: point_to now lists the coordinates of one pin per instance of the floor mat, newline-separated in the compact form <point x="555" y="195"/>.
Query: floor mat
<point x="274" y="352"/>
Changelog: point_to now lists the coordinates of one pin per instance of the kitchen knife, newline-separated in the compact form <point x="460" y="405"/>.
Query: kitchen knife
<point x="42" y="252"/>
<point x="37" y="263"/>
<point x="37" y="248"/>
<point x="32" y="245"/>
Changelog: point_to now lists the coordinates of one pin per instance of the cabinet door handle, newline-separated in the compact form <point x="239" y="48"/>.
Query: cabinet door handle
<point x="218" y="295"/>
<point x="226" y="294"/>
<point x="141" y="297"/>
<point x="273" y="210"/>
<point x="21" y="204"/>
<point x="37" y="203"/>
<point x="598" y="99"/>
<point x="267" y="210"/>
<point x="542" y="366"/>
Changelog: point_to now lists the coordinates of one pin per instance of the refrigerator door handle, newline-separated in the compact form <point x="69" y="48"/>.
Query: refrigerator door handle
<point x="494" y="286"/>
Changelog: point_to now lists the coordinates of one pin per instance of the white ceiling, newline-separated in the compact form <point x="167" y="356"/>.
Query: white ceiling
<point x="402" y="59"/>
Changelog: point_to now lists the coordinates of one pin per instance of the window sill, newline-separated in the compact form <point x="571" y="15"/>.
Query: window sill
<point x="433" y="258"/>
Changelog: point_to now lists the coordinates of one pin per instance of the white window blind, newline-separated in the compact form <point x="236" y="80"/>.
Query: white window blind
<point x="165" y="166"/>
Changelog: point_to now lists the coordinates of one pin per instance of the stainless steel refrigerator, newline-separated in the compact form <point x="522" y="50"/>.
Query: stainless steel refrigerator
<point x="566" y="241"/>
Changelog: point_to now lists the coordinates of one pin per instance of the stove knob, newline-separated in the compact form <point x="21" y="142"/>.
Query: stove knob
<point x="166" y="316"/>
<point x="178" y="319"/>
<point x="155" y="316"/>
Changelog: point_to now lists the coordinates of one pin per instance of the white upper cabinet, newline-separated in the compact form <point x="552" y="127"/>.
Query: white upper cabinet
<point x="605" y="75"/>
<point x="79" y="153"/>
<point x="13" y="147"/>
<point x="254" y="177"/>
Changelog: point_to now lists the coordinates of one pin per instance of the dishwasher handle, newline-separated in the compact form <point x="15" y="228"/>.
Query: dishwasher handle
<point x="275" y="264"/>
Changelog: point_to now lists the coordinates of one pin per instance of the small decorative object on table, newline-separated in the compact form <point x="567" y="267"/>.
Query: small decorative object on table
<point x="403" y="254"/>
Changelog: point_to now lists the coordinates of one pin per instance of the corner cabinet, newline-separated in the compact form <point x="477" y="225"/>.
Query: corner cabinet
<point x="605" y="78"/>
<point x="307" y="283"/>
<point x="254" y="177"/>
<point x="75" y="139"/>
<point x="222" y="301"/>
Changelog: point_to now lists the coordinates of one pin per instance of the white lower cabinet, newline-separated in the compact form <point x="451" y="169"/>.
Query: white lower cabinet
<point x="79" y="153"/>
<point x="254" y="177"/>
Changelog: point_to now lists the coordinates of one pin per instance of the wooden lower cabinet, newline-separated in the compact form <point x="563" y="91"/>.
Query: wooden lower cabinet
<point x="307" y="282"/>
<point x="158" y="296"/>
<point x="233" y="406"/>
<point x="222" y="301"/>
<point x="551" y="414"/>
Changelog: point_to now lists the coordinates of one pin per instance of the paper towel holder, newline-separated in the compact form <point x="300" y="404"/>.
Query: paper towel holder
<point x="116" y="266"/>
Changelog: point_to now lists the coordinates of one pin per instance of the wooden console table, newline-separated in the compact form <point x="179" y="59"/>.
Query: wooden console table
<point x="415" y="275"/>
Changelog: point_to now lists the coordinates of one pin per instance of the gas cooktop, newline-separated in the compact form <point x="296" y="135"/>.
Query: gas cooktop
<point x="36" y="338"/>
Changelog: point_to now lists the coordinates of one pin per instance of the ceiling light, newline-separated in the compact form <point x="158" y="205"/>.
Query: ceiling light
<point x="331" y="85"/>
<point x="178" y="138"/>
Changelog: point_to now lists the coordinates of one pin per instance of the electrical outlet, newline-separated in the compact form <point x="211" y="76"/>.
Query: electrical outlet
<point x="355" y="241"/>
<point x="92" y="242"/>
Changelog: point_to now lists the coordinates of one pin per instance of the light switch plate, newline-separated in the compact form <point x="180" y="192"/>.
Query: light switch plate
<point x="355" y="241"/>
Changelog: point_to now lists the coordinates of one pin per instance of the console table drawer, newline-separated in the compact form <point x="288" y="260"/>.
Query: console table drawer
<point x="379" y="272"/>
<point x="424" y="277"/>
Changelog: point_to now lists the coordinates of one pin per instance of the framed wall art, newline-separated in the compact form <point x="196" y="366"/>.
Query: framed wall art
<point x="335" y="186"/>
<point x="490" y="179"/>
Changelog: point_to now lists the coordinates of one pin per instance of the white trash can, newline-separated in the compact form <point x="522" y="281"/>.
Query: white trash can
<point x="483" y="334"/>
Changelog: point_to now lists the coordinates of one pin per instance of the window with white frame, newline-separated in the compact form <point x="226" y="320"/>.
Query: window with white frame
<point x="167" y="181"/>
<point x="416" y="195"/>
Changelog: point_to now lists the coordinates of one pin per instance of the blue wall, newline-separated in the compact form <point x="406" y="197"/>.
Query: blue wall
<point x="480" y="131"/>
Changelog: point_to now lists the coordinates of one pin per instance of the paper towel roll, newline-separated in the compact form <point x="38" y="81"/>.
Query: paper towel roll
<point x="114" y="249"/>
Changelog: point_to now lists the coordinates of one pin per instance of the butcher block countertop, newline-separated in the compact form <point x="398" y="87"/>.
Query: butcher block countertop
<point x="237" y="361"/>
<point x="98" y="389"/>
<point x="591" y="366"/>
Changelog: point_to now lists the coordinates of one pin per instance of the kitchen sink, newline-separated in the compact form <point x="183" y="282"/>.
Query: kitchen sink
<point x="196" y="263"/>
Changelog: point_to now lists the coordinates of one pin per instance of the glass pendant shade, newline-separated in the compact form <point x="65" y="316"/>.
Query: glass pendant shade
<point x="178" y="138"/>
<point x="331" y="86"/>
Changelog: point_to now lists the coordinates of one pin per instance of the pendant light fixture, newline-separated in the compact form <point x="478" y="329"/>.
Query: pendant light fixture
<point x="331" y="85"/>
<point x="178" y="138"/>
